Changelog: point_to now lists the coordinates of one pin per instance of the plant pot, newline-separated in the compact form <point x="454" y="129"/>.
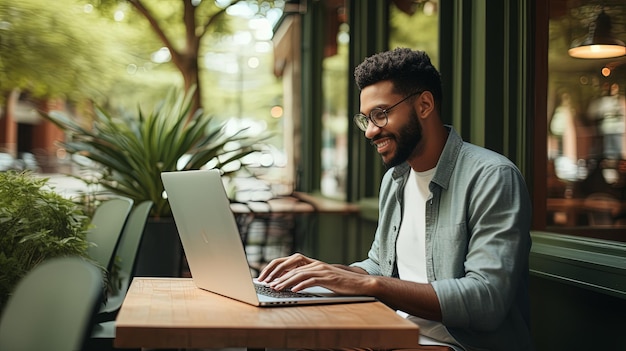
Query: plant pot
<point x="160" y="253"/>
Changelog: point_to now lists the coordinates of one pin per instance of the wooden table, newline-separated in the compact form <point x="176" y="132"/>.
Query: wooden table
<point x="592" y="208"/>
<point x="173" y="313"/>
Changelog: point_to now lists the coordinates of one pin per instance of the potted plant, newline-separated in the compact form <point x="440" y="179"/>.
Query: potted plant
<point x="130" y="152"/>
<point x="35" y="224"/>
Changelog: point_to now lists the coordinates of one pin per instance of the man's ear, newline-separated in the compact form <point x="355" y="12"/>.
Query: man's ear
<point x="425" y="104"/>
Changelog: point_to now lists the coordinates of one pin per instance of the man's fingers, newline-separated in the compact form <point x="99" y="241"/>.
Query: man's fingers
<point x="278" y="267"/>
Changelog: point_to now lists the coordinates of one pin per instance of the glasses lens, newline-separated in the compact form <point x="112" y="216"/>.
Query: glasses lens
<point x="361" y="121"/>
<point x="379" y="117"/>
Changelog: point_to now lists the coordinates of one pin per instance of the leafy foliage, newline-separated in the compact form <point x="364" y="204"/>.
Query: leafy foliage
<point x="65" y="49"/>
<point x="180" y="26"/>
<point x="403" y="27"/>
<point x="51" y="49"/>
<point x="184" y="28"/>
<point x="133" y="151"/>
<point x="35" y="224"/>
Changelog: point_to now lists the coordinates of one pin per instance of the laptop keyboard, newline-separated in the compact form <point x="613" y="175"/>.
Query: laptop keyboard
<point x="267" y="291"/>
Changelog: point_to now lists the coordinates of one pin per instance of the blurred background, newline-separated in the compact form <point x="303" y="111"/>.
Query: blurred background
<point x="73" y="55"/>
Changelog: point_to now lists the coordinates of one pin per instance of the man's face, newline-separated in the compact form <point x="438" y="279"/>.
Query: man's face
<point x="398" y="139"/>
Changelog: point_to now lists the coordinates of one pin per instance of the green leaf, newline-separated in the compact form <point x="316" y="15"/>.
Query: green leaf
<point x="35" y="224"/>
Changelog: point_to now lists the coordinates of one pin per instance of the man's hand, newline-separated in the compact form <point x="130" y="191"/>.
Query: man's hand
<point x="299" y="272"/>
<point x="277" y="267"/>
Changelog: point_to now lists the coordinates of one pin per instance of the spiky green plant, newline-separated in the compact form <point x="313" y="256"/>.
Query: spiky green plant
<point x="35" y="224"/>
<point x="133" y="151"/>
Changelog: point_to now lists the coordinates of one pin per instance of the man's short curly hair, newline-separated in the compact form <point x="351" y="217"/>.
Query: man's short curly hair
<point x="409" y="70"/>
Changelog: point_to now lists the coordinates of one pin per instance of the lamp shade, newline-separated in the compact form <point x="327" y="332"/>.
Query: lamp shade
<point x="599" y="42"/>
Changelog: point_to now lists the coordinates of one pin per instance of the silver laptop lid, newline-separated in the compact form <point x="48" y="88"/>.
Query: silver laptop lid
<point x="209" y="234"/>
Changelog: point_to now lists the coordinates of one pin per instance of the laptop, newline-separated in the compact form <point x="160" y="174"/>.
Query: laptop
<point x="213" y="246"/>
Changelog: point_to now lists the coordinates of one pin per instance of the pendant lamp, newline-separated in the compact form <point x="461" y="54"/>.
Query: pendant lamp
<point x="599" y="42"/>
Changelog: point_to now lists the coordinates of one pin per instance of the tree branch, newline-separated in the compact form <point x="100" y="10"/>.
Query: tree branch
<point x="212" y="19"/>
<point x="137" y="4"/>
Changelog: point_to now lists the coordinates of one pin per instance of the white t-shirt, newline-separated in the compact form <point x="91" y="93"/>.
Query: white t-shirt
<point x="411" y="243"/>
<point x="411" y="251"/>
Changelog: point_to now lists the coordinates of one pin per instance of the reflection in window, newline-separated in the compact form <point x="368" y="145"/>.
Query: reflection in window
<point x="586" y="126"/>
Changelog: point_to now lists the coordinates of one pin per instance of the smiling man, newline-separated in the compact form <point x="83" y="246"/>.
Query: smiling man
<point x="452" y="243"/>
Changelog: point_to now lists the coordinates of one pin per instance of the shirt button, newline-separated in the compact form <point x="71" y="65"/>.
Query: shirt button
<point x="394" y="228"/>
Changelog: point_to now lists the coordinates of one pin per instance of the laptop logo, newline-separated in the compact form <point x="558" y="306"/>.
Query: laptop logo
<point x="205" y="236"/>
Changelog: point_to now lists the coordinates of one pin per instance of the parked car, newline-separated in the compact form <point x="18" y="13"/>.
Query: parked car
<point x="7" y="162"/>
<point x="26" y="161"/>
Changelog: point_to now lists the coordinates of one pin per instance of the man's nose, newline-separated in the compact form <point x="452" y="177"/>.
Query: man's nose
<point x="371" y="130"/>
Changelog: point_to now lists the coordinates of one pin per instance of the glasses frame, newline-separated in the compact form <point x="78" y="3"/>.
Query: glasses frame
<point x="360" y="118"/>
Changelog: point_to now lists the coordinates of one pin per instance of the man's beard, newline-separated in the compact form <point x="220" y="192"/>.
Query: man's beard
<point x="406" y="142"/>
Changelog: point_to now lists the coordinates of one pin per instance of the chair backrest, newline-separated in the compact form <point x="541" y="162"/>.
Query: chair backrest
<point x="52" y="307"/>
<point x="107" y="225"/>
<point x="126" y="253"/>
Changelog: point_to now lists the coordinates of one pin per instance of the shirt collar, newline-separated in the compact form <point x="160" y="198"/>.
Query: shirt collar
<point x="445" y="165"/>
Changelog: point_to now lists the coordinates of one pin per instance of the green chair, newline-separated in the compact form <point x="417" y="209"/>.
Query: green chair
<point x="126" y="255"/>
<point x="104" y="329"/>
<point x="52" y="307"/>
<point x="107" y="225"/>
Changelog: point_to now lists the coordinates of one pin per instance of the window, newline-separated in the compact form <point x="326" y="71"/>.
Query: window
<point x="586" y="139"/>
<point x="334" y="117"/>
<point x="422" y="18"/>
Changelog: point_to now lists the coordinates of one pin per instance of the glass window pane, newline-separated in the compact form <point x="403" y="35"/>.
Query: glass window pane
<point x="421" y="17"/>
<point x="586" y="128"/>
<point x="334" y="118"/>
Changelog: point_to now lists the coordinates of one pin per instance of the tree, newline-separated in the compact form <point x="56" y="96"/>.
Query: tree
<point x="181" y="26"/>
<point x="49" y="50"/>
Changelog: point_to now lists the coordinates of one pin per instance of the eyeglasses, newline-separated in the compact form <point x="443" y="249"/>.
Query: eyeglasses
<point x="377" y="115"/>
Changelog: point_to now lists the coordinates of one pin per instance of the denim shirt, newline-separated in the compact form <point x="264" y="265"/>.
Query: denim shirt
<point x="477" y="244"/>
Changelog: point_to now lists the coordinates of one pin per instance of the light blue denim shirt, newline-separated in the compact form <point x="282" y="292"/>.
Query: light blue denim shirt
<point x="477" y="244"/>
